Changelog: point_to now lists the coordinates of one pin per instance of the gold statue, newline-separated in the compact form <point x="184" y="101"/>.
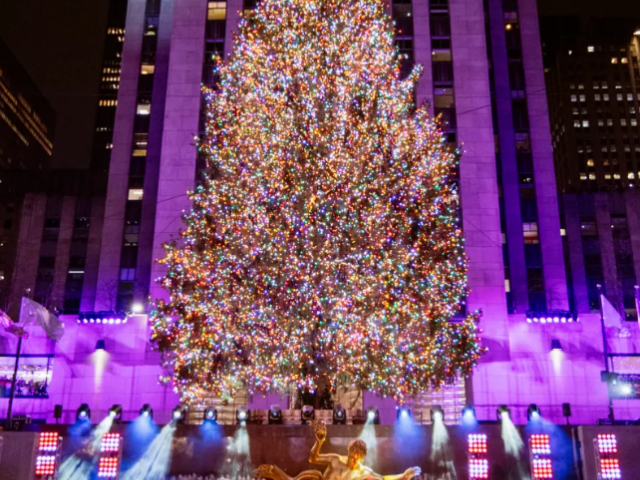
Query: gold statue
<point x="339" y="467"/>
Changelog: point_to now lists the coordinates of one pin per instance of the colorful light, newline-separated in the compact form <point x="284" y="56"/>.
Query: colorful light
<point x="477" y="450"/>
<point x="606" y="447"/>
<point x="110" y="443"/>
<point x="325" y="241"/>
<point x="540" y="456"/>
<point x="47" y="459"/>
<point x="540" y="444"/>
<point x="542" y="468"/>
<point x="108" y="467"/>
<point x="110" y="452"/>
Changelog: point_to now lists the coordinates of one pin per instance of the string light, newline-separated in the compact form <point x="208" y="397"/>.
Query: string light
<point x="325" y="240"/>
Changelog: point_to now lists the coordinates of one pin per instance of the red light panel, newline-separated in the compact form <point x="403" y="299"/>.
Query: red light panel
<point x="478" y="468"/>
<point x="542" y="468"/>
<point x="110" y="443"/>
<point x="477" y="443"/>
<point x="610" y="468"/>
<point x="607" y="443"/>
<point x="108" y="467"/>
<point x="48" y="441"/>
<point x="45" y="465"/>
<point x="540" y="444"/>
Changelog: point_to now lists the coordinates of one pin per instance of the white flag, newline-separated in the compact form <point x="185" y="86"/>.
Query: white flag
<point x="32" y="313"/>
<point x="610" y="314"/>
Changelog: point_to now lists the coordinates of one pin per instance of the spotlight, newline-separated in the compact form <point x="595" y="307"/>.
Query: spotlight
<point x="137" y="308"/>
<point x="179" y="414"/>
<point x="100" y="345"/>
<point x="210" y="414"/>
<point x="533" y="413"/>
<point x="403" y="414"/>
<point x="307" y="414"/>
<point x="373" y="415"/>
<point x="115" y="412"/>
<point x="555" y="345"/>
<point x="146" y="411"/>
<point x="83" y="412"/>
<point x="242" y="415"/>
<point x="469" y="414"/>
<point x="275" y="415"/>
<point x="625" y="389"/>
<point x="503" y="412"/>
<point x="437" y="414"/>
<point x="339" y="415"/>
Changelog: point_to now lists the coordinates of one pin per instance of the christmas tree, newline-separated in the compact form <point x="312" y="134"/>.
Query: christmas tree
<point x="324" y="243"/>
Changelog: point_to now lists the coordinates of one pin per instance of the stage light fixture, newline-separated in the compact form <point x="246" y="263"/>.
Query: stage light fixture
<point x="100" y="345"/>
<point x="373" y="415"/>
<point x="137" y="308"/>
<point x="469" y="414"/>
<point x="555" y="345"/>
<point x="115" y="412"/>
<point x="110" y="456"/>
<point x="503" y="412"/>
<point x="242" y="415"/>
<point x="606" y="453"/>
<point x="179" y="414"/>
<point x="436" y="414"/>
<point x="48" y="456"/>
<point x="533" y="413"/>
<point x="477" y="454"/>
<point x="275" y="415"/>
<point x="339" y="415"/>
<point x="211" y="415"/>
<point x="307" y="414"/>
<point x="83" y="412"/>
<point x="146" y="411"/>
<point x="403" y="414"/>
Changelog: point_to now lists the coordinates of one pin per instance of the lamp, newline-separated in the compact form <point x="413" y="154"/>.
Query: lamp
<point x="275" y="415"/>
<point x="503" y="412"/>
<point x="339" y="415"/>
<point x="533" y="413"/>
<point x="115" y="412"/>
<point x="437" y="414"/>
<point x="100" y="345"/>
<point x="373" y="415"/>
<point x="242" y="415"/>
<point x="307" y="414"/>
<point x="555" y="345"/>
<point x="146" y="411"/>
<point x="211" y="415"/>
<point x="83" y="412"/>
<point x="179" y="414"/>
<point x="469" y="414"/>
<point x="403" y="414"/>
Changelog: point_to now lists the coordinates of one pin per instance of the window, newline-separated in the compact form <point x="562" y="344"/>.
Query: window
<point x="135" y="194"/>
<point x="619" y="97"/>
<point x="576" y="123"/>
<point x="585" y="123"/>
<point x="592" y="176"/>
<point x="530" y="232"/>
<point x="623" y="122"/>
<point x="597" y="97"/>
<point x="614" y="60"/>
<point x="590" y="49"/>
<point x="624" y="60"/>
<point x="600" y="122"/>
<point x="583" y="176"/>
<point x="634" y="122"/>
<point x="143" y="109"/>
<point x="605" y="97"/>
<point x="590" y="162"/>
<point x="631" y="175"/>
<point x="8" y="224"/>
<point x="441" y="55"/>
<point x="147" y="69"/>
<point x="574" y="98"/>
<point x="609" y="122"/>
<point x="127" y="274"/>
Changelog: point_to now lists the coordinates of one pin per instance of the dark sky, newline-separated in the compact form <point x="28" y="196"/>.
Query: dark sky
<point x="60" y="43"/>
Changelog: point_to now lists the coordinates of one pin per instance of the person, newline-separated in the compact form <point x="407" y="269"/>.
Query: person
<point x="339" y="467"/>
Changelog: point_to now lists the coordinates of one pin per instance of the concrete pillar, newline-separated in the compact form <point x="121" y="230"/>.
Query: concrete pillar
<point x="509" y="162"/>
<point x="92" y="260"/>
<point x="479" y="192"/>
<point x="118" y="185"/>
<point x="182" y="109"/>
<point x="632" y="202"/>
<point x="422" y="50"/>
<point x="154" y="149"/>
<point x="555" y="280"/>
<point x="63" y="251"/>
<point x="28" y="252"/>
<point x="607" y="252"/>
<point x="576" y="255"/>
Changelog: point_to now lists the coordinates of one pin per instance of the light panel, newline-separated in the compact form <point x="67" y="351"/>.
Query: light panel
<point x="607" y="463"/>
<point x="477" y="452"/>
<point x="540" y="456"/>
<point x="47" y="459"/>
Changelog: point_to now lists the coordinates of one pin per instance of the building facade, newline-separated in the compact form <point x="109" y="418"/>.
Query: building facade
<point x="27" y="126"/>
<point x="593" y="79"/>
<point x="484" y="74"/>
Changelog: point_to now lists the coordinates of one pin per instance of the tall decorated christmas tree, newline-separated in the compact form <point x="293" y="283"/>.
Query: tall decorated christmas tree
<point x="324" y="244"/>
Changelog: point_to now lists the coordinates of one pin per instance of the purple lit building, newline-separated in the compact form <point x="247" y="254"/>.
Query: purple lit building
<point x="484" y="74"/>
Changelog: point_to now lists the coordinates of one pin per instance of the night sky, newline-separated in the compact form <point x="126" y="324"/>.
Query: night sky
<point x="60" y="43"/>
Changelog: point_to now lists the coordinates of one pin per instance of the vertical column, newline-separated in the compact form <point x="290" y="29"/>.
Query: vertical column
<point x="632" y="201"/>
<point x="479" y="192"/>
<point x="182" y="110"/>
<point x="234" y="15"/>
<point x="576" y="255"/>
<point x="154" y="147"/>
<point x="28" y="251"/>
<point x="422" y="50"/>
<point x="509" y="163"/>
<point x="92" y="260"/>
<point x="63" y="251"/>
<point x="117" y="188"/>
<point x="607" y="253"/>
<point x="544" y="175"/>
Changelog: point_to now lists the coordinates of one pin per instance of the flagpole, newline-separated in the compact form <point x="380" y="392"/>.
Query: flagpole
<point x="13" y="383"/>
<point x="605" y="350"/>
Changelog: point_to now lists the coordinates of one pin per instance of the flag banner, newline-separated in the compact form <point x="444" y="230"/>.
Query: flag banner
<point x="11" y="326"/>
<point x="612" y="317"/>
<point x="32" y="313"/>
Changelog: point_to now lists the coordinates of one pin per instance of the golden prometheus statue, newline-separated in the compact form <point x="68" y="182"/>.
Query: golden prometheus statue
<point x="339" y="467"/>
